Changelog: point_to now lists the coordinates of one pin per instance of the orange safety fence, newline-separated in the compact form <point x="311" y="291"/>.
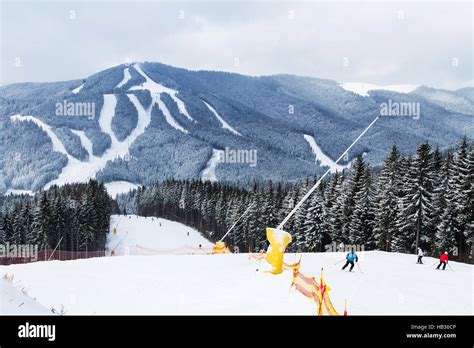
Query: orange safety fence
<point x="287" y="266"/>
<point x="183" y="250"/>
<point x="308" y="286"/>
<point x="259" y="256"/>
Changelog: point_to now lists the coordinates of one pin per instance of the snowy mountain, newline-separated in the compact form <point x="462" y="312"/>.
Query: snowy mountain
<point x="139" y="123"/>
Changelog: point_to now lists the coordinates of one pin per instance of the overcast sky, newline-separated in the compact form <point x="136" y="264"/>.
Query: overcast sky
<point x="428" y="43"/>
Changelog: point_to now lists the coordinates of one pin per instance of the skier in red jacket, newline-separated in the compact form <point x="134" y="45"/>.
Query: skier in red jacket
<point x="443" y="260"/>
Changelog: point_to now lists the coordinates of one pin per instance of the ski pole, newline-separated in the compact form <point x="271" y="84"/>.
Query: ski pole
<point x="339" y="262"/>
<point x="357" y="263"/>
<point x="450" y="266"/>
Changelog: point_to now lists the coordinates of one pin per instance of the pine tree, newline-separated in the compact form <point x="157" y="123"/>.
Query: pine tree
<point x="3" y="235"/>
<point x="288" y="203"/>
<point x="361" y="223"/>
<point x="416" y="217"/>
<point x="316" y="224"/>
<point x="335" y="200"/>
<point x="255" y="226"/>
<point x="269" y="212"/>
<point x="443" y="207"/>
<point x="300" y="242"/>
<point x="386" y="201"/>
<point x="352" y="190"/>
<point x="18" y="226"/>
<point x="42" y="223"/>
<point x="455" y="230"/>
<point x="238" y="234"/>
<point x="27" y="219"/>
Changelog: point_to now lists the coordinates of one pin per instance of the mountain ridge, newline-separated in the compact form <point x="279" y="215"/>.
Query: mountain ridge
<point x="194" y="113"/>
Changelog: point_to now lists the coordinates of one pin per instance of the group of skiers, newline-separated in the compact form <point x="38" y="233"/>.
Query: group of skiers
<point x="443" y="259"/>
<point x="352" y="257"/>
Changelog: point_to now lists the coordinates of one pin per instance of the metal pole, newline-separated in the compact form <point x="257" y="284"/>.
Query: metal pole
<point x="55" y="249"/>
<point x="280" y="226"/>
<point x="235" y="223"/>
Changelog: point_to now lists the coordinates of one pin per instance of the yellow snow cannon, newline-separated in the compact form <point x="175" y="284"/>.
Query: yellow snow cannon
<point x="220" y="248"/>
<point x="278" y="240"/>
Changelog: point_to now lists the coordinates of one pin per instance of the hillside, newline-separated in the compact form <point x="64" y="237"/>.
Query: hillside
<point x="144" y="122"/>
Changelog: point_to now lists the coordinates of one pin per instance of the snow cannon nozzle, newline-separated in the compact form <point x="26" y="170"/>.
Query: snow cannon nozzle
<point x="220" y="248"/>
<point x="278" y="240"/>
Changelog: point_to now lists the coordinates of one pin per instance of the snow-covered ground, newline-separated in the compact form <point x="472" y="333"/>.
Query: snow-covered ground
<point x="209" y="173"/>
<point x="15" y="301"/>
<point x="364" y="88"/>
<point x="156" y="90"/>
<point x="126" y="77"/>
<point x="323" y="159"/>
<point x="168" y="283"/>
<point x="77" y="89"/>
<point x="153" y="235"/>
<point x="223" y="123"/>
<point x="116" y="187"/>
<point x="18" y="192"/>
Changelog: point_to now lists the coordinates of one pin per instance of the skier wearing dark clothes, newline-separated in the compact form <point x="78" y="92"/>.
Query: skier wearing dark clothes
<point x="350" y="258"/>
<point x="443" y="260"/>
<point x="420" y="255"/>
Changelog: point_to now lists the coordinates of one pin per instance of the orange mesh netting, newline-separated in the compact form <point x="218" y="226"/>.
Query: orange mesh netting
<point x="185" y="249"/>
<point x="308" y="286"/>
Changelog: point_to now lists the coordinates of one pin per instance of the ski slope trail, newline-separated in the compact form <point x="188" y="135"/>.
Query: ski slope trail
<point x="85" y="142"/>
<point x="209" y="173"/>
<point x="223" y="123"/>
<point x="168" y="275"/>
<point x="126" y="77"/>
<point x="138" y="235"/>
<point x="322" y="158"/>
<point x="156" y="90"/>
<point x="233" y="284"/>
<point x="81" y="171"/>
<point x="77" y="89"/>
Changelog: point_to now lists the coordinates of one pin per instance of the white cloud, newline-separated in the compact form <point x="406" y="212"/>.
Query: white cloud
<point x="262" y="36"/>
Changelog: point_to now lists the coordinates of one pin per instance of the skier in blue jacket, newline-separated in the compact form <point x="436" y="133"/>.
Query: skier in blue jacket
<point x="350" y="258"/>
